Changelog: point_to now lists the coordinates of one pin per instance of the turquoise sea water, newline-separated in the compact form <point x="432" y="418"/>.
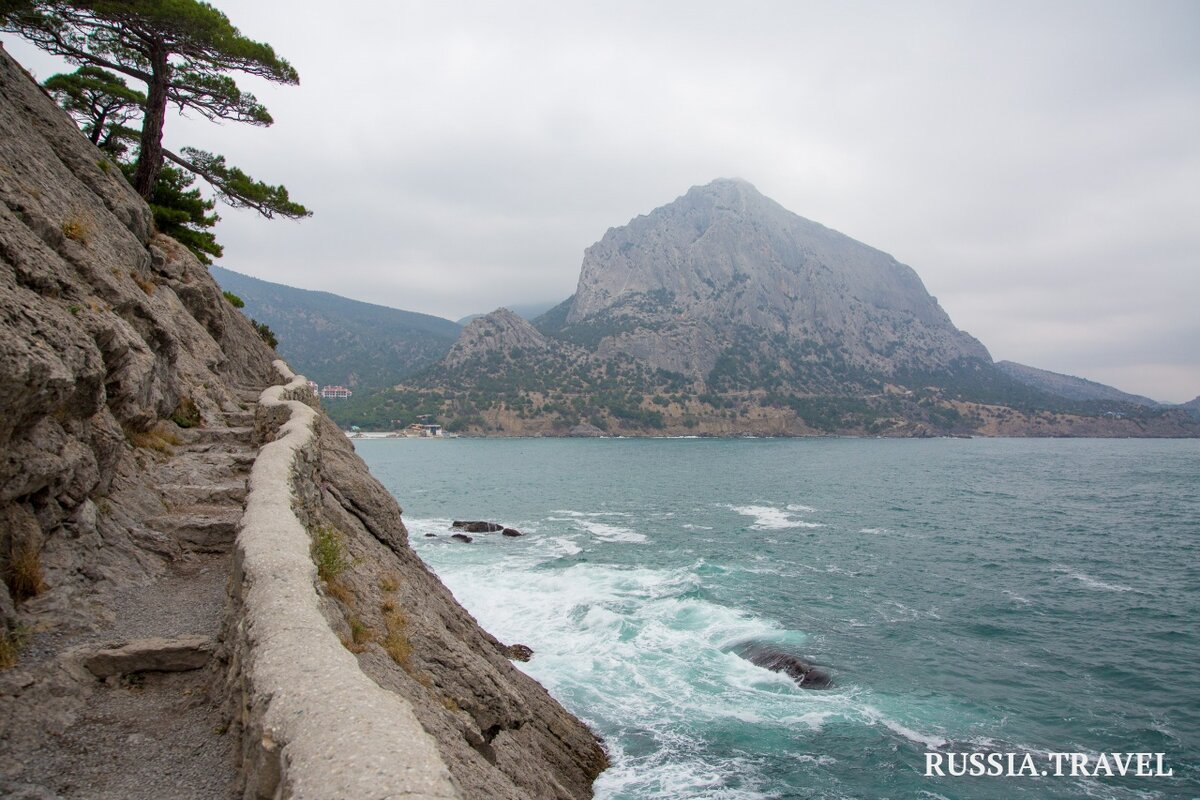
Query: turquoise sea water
<point x="969" y="595"/>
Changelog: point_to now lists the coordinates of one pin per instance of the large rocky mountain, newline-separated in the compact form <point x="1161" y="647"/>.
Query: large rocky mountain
<point x="724" y="313"/>
<point x="693" y="281"/>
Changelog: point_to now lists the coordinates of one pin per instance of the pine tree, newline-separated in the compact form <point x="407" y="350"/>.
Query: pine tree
<point x="181" y="50"/>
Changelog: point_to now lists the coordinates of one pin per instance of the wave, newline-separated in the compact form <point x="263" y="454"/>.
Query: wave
<point x="1089" y="581"/>
<point x="929" y="741"/>
<point x="602" y="530"/>
<point x="769" y="518"/>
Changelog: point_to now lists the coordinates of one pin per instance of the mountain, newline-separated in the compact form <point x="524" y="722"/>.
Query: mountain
<point x="723" y="313"/>
<point x="724" y="276"/>
<point x="528" y="311"/>
<point x="333" y="339"/>
<point x="1069" y="386"/>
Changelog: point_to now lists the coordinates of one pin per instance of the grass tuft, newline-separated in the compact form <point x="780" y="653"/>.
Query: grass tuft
<point x="186" y="415"/>
<point x="396" y="641"/>
<point x="145" y="284"/>
<point x="11" y="644"/>
<point x="155" y="440"/>
<point x="77" y="228"/>
<point x="22" y="571"/>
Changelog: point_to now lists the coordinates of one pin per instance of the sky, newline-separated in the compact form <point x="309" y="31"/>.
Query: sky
<point x="1037" y="163"/>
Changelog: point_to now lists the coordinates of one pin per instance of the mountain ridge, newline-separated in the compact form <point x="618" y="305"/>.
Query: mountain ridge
<point x="334" y="339"/>
<point x="722" y="313"/>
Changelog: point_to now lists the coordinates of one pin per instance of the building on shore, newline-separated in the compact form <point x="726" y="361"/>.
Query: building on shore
<point x="335" y="392"/>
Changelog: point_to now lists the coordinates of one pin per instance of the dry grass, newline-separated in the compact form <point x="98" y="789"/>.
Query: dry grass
<point x="78" y="228"/>
<point x="23" y="572"/>
<point x="396" y="642"/>
<point x="156" y="440"/>
<point x="390" y="582"/>
<point x="147" y="285"/>
<point x="11" y="644"/>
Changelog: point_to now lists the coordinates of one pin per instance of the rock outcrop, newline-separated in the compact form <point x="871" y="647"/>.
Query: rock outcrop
<point x="140" y="653"/>
<point x="501" y="332"/>
<point x="771" y="656"/>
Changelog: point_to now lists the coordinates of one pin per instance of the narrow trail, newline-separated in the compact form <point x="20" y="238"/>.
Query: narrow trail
<point x="147" y="732"/>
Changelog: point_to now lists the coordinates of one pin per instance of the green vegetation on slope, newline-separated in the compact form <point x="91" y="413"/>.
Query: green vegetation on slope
<point x="335" y="340"/>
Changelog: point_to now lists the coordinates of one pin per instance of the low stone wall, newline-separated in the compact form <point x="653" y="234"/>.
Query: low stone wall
<point x="313" y="725"/>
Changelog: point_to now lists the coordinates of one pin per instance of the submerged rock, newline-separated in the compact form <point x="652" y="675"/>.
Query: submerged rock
<point x="462" y="537"/>
<point x="476" y="526"/>
<point x="518" y="652"/>
<point x="512" y="532"/>
<point x="772" y="657"/>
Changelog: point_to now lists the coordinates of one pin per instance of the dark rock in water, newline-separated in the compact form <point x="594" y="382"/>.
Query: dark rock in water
<point x="772" y="657"/>
<point x="462" y="537"/>
<point x="431" y="536"/>
<point x="518" y="652"/>
<point x="512" y="532"/>
<point x="476" y="526"/>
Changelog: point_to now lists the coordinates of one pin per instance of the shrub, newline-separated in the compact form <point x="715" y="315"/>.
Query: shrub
<point x="265" y="332"/>
<point x="186" y="415"/>
<point x="328" y="554"/>
<point x="360" y="634"/>
<point x="234" y="300"/>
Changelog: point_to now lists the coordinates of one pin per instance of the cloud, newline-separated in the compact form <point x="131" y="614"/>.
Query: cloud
<point x="1035" y="163"/>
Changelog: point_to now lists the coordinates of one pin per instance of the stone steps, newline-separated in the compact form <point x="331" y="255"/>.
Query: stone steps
<point x="226" y="493"/>
<point x="200" y="528"/>
<point x="218" y="436"/>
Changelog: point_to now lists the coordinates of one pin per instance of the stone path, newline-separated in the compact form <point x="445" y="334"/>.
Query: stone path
<point x="147" y="733"/>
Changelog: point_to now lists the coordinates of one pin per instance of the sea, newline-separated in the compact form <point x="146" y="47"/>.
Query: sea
<point x="1025" y="596"/>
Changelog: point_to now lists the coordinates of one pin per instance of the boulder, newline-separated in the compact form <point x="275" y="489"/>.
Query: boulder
<point x="511" y="532"/>
<point x="462" y="537"/>
<point x="476" y="526"/>
<point x="773" y="657"/>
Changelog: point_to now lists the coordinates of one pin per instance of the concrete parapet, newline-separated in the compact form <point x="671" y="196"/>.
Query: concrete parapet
<point x="313" y="725"/>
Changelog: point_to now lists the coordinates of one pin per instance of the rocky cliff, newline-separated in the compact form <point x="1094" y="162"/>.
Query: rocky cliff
<point x="168" y="521"/>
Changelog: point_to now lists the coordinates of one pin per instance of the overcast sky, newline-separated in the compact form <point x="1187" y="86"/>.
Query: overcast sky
<point x="1037" y="163"/>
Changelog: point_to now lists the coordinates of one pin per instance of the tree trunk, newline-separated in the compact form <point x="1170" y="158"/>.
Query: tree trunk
<point x="150" y="155"/>
<point x="98" y="129"/>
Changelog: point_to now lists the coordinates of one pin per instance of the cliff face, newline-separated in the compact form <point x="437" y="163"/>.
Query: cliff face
<point x="106" y="330"/>
<point x="135" y="642"/>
